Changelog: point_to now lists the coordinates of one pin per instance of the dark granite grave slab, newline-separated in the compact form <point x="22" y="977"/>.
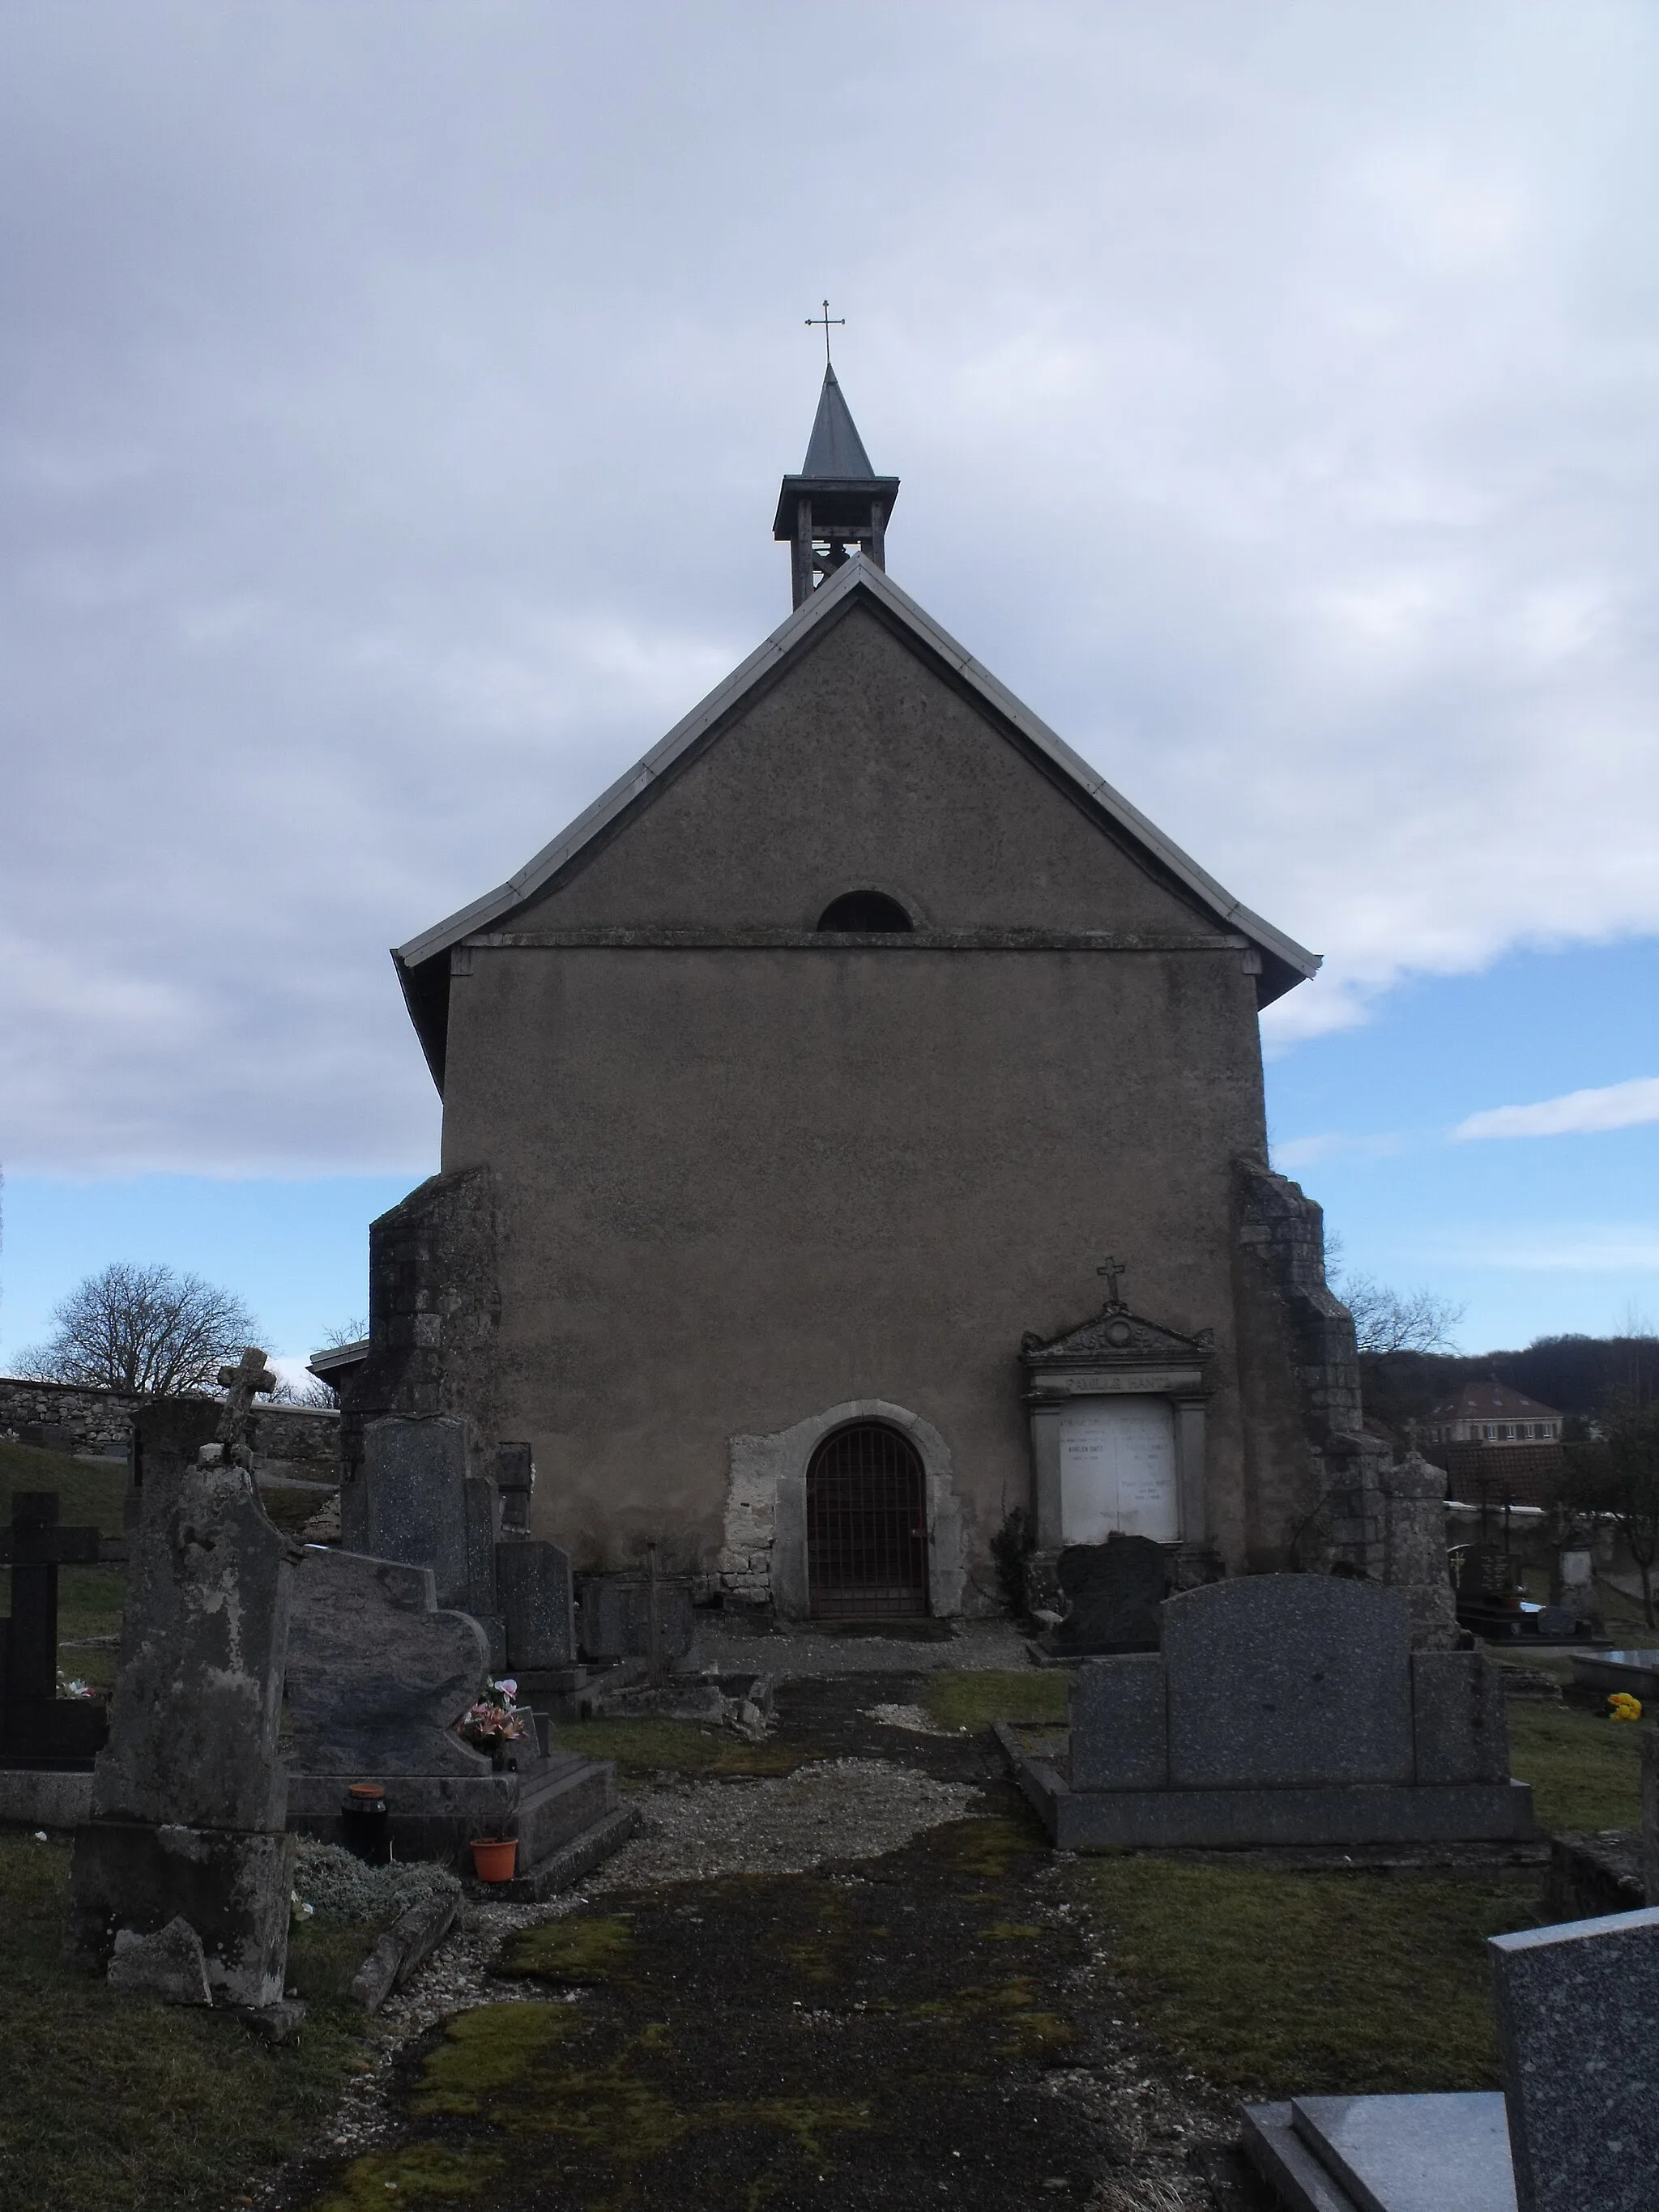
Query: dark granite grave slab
<point x="1460" y="1729"/>
<point x="615" y="1619"/>
<point x="414" y="1503"/>
<point x="1119" y="1740"/>
<point x="1277" y="1681"/>
<point x="536" y="1597"/>
<point x="1219" y="1820"/>
<point x="1578" y="2030"/>
<point x="1113" y="1591"/>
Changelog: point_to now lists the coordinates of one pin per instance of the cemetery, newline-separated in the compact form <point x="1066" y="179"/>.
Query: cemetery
<point x="915" y="1736"/>
<point x="1295" y="1933"/>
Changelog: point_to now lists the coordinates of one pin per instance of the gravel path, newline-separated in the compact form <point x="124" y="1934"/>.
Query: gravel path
<point x="833" y="1809"/>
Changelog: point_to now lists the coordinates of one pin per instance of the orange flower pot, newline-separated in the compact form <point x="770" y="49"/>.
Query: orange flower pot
<point x="494" y="1860"/>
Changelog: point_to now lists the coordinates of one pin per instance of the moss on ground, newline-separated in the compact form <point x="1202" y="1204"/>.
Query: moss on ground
<point x="759" y="2040"/>
<point x="651" y="1745"/>
<point x="1585" y="1772"/>
<point x="115" y="2103"/>
<point x="1275" y="1983"/>
<point x="586" y="1947"/>
<point x="418" y="2173"/>
<point x="974" y="1698"/>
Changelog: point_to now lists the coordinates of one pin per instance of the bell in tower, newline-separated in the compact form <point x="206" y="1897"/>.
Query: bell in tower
<point x="838" y="505"/>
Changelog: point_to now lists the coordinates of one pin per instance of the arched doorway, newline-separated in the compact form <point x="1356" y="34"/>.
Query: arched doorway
<point x="866" y="1525"/>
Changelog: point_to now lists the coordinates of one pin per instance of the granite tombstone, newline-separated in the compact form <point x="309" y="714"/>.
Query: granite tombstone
<point x="1282" y="1709"/>
<point x="1113" y="1592"/>
<point x="1578" y="2034"/>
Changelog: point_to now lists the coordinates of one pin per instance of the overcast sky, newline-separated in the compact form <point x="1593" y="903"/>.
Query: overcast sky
<point x="392" y="399"/>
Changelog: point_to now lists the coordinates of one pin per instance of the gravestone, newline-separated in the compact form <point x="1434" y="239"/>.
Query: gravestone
<point x="515" y="1478"/>
<point x="1577" y="2018"/>
<point x="38" y="1728"/>
<point x="1288" y="1682"/>
<point x="1113" y="1591"/>
<point x="1282" y="1709"/>
<point x="414" y="1491"/>
<point x="417" y="1500"/>
<point x="377" y="1674"/>
<point x="189" y="1795"/>
<point x="1650" y="1815"/>
<point x="535" y="1590"/>
<point x="1575" y="2128"/>
<point x="1572" y="1582"/>
<point x="636" y="1616"/>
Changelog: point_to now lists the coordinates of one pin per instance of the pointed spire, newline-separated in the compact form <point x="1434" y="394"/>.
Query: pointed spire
<point x="838" y="506"/>
<point x="835" y="448"/>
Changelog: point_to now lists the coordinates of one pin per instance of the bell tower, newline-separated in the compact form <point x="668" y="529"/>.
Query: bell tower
<point x="838" y="505"/>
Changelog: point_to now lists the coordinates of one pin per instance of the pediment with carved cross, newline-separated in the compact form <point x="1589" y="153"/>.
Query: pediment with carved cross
<point x="1117" y="1337"/>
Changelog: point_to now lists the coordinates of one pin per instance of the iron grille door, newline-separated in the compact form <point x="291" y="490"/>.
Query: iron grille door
<point x="866" y="1525"/>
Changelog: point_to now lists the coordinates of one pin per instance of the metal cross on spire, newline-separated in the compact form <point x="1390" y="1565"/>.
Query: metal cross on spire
<point x="826" y="318"/>
<point x="1112" y="1270"/>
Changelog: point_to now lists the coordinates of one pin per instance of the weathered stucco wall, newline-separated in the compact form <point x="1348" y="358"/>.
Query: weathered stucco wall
<point x="737" y="1185"/>
<point x="862" y="767"/>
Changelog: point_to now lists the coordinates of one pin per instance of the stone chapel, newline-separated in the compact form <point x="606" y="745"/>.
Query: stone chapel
<point x="854" y="1139"/>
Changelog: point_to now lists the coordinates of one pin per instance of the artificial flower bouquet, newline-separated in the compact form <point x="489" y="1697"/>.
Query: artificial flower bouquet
<point x="497" y="1720"/>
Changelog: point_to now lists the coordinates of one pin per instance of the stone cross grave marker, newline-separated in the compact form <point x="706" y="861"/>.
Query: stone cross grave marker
<point x="39" y="1729"/>
<point x="241" y="1385"/>
<point x="190" y="1795"/>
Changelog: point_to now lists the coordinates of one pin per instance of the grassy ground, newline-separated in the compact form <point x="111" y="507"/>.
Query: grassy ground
<point x="651" y="1746"/>
<point x="974" y="1700"/>
<point x="113" y="2104"/>
<point x="1274" y="1982"/>
<point x="1585" y="1773"/>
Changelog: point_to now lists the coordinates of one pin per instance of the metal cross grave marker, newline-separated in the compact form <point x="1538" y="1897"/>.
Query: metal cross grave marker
<point x="37" y="1727"/>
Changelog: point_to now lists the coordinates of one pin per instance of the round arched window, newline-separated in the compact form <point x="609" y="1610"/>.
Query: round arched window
<point x="872" y="912"/>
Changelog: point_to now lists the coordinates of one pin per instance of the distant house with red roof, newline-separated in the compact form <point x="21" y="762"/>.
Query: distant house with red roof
<point x="1488" y="1411"/>
<point x="1497" y="1445"/>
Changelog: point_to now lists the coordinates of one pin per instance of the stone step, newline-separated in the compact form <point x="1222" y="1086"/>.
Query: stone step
<point x="561" y="1868"/>
<point x="1423" y="2154"/>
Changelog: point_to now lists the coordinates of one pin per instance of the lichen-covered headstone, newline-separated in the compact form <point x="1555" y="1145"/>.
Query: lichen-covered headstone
<point x="190" y="1795"/>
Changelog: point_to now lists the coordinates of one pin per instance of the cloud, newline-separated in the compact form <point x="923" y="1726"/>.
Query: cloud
<point x="394" y="401"/>
<point x="1581" y="1249"/>
<point x="1299" y="1153"/>
<point x="1579" y="1113"/>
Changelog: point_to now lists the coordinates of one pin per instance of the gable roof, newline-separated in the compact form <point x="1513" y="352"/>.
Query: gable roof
<point x="422" y="963"/>
<point x="1487" y="1399"/>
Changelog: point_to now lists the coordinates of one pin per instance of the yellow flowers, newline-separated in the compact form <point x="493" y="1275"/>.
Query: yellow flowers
<point x="1621" y="1706"/>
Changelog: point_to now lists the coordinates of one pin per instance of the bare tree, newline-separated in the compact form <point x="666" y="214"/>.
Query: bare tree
<point x="144" y="1331"/>
<point x="1386" y="1321"/>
